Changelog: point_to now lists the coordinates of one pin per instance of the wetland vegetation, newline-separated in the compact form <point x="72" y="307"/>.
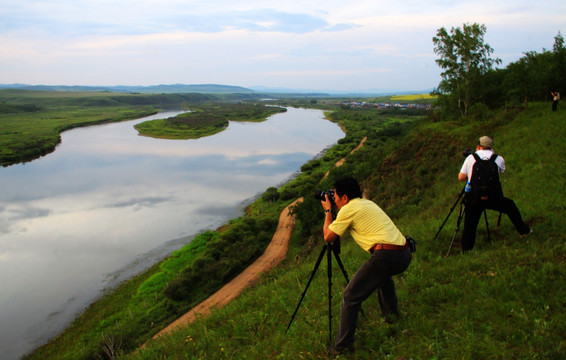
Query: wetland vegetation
<point x="205" y="120"/>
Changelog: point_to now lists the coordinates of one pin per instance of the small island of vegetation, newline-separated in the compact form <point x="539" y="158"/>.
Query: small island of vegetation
<point x="205" y="120"/>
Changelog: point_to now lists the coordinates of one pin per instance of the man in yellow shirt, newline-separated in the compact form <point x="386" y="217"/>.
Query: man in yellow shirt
<point x="374" y="232"/>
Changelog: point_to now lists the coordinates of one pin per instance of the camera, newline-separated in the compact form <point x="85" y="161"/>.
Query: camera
<point x="467" y="152"/>
<point x="412" y="243"/>
<point x="321" y="195"/>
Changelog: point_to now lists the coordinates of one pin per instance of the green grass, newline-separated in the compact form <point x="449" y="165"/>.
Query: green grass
<point x="503" y="300"/>
<point x="205" y="120"/>
<point x="31" y="121"/>
<point x="25" y="136"/>
<point x="163" y="129"/>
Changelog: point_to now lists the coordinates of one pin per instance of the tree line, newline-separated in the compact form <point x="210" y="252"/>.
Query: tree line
<point x="470" y="83"/>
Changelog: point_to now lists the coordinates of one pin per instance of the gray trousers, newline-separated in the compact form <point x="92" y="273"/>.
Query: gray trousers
<point x="373" y="276"/>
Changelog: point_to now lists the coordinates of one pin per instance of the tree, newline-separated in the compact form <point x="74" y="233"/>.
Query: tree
<point x="464" y="58"/>
<point x="558" y="43"/>
<point x="271" y="194"/>
<point x="518" y="82"/>
<point x="535" y="75"/>
<point x="558" y="80"/>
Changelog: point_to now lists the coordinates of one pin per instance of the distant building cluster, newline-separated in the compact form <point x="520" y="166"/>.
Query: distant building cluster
<point x="384" y="106"/>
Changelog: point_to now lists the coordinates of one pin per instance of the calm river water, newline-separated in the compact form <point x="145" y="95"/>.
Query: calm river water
<point x="109" y="203"/>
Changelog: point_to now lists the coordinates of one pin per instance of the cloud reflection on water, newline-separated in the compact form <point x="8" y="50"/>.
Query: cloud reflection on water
<point x="108" y="203"/>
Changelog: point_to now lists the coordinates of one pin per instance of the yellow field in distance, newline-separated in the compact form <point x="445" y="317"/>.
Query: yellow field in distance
<point x="412" y="97"/>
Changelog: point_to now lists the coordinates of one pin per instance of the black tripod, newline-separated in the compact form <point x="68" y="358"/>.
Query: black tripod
<point x="328" y="249"/>
<point x="460" y="217"/>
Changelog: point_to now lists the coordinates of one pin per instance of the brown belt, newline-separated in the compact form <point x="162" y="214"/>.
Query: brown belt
<point x="388" y="247"/>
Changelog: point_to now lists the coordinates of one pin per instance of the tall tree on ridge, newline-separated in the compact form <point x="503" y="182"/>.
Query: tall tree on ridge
<point x="464" y="58"/>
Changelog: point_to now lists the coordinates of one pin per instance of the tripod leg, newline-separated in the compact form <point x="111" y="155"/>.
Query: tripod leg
<point x="487" y="226"/>
<point x="318" y="261"/>
<point x="341" y="265"/>
<point x="450" y="213"/>
<point x="329" y="273"/>
<point x="451" y="243"/>
<point x="460" y="216"/>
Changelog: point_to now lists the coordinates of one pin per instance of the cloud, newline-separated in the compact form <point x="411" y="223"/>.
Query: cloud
<point x="341" y="27"/>
<point x="263" y="20"/>
<point x="140" y="202"/>
<point x="79" y="18"/>
<point x="10" y="217"/>
<point x="108" y="42"/>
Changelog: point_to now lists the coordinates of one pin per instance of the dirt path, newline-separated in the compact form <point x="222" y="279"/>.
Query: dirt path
<point x="273" y="255"/>
<point x="341" y="161"/>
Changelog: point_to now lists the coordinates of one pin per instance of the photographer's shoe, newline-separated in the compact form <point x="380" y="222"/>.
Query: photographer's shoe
<point x="391" y="317"/>
<point x="527" y="234"/>
<point x="334" y="351"/>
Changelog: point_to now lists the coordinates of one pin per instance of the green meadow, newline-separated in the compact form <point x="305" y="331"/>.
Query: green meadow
<point x="205" y="120"/>
<point x="503" y="300"/>
<point x="32" y="121"/>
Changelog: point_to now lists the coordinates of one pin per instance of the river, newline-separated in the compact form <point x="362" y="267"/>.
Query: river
<point x="109" y="203"/>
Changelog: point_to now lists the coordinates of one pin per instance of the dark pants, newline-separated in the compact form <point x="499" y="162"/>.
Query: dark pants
<point x="554" y="105"/>
<point x="374" y="275"/>
<point x="473" y="214"/>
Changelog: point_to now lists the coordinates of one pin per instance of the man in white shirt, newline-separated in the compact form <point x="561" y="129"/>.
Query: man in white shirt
<point x="474" y="209"/>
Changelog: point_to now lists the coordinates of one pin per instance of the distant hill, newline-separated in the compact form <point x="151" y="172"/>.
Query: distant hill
<point x="154" y="89"/>
<point x="212" y="89"/>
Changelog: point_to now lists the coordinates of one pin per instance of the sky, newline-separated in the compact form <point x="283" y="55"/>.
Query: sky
<point x="340" y="46"/>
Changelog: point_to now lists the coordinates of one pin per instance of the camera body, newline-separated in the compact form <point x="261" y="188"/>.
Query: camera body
<point x="467" y="152"/>
<point x="321" y="195"/>
<point x="412" y="243"/>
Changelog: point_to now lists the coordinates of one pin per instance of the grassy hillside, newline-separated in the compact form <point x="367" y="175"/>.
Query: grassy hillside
<point x="503" y="300"/>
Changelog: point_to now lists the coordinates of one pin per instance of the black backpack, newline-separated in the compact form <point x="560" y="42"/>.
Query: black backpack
<point x="485" y="180"/>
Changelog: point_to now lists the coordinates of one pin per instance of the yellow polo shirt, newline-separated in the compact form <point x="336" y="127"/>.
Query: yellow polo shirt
<point x="368" y="224"/>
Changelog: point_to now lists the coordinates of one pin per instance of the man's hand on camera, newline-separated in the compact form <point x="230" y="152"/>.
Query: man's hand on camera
<point x="326" y="204"/>
<point x="329" y="235"/>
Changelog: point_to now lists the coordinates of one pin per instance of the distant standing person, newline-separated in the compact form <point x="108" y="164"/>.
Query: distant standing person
<point x="555" y="98"/>
<point x="486" y="195"/>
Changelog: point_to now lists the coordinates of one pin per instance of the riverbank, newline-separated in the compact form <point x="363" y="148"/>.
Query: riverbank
<point x="32" y="121"/>
<point x="273" y="255"/>
<point x="143" y="293"/>
<point x="275" y="252"/>
<point x="28" y="136"/>
<point x="143" y="305"/>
